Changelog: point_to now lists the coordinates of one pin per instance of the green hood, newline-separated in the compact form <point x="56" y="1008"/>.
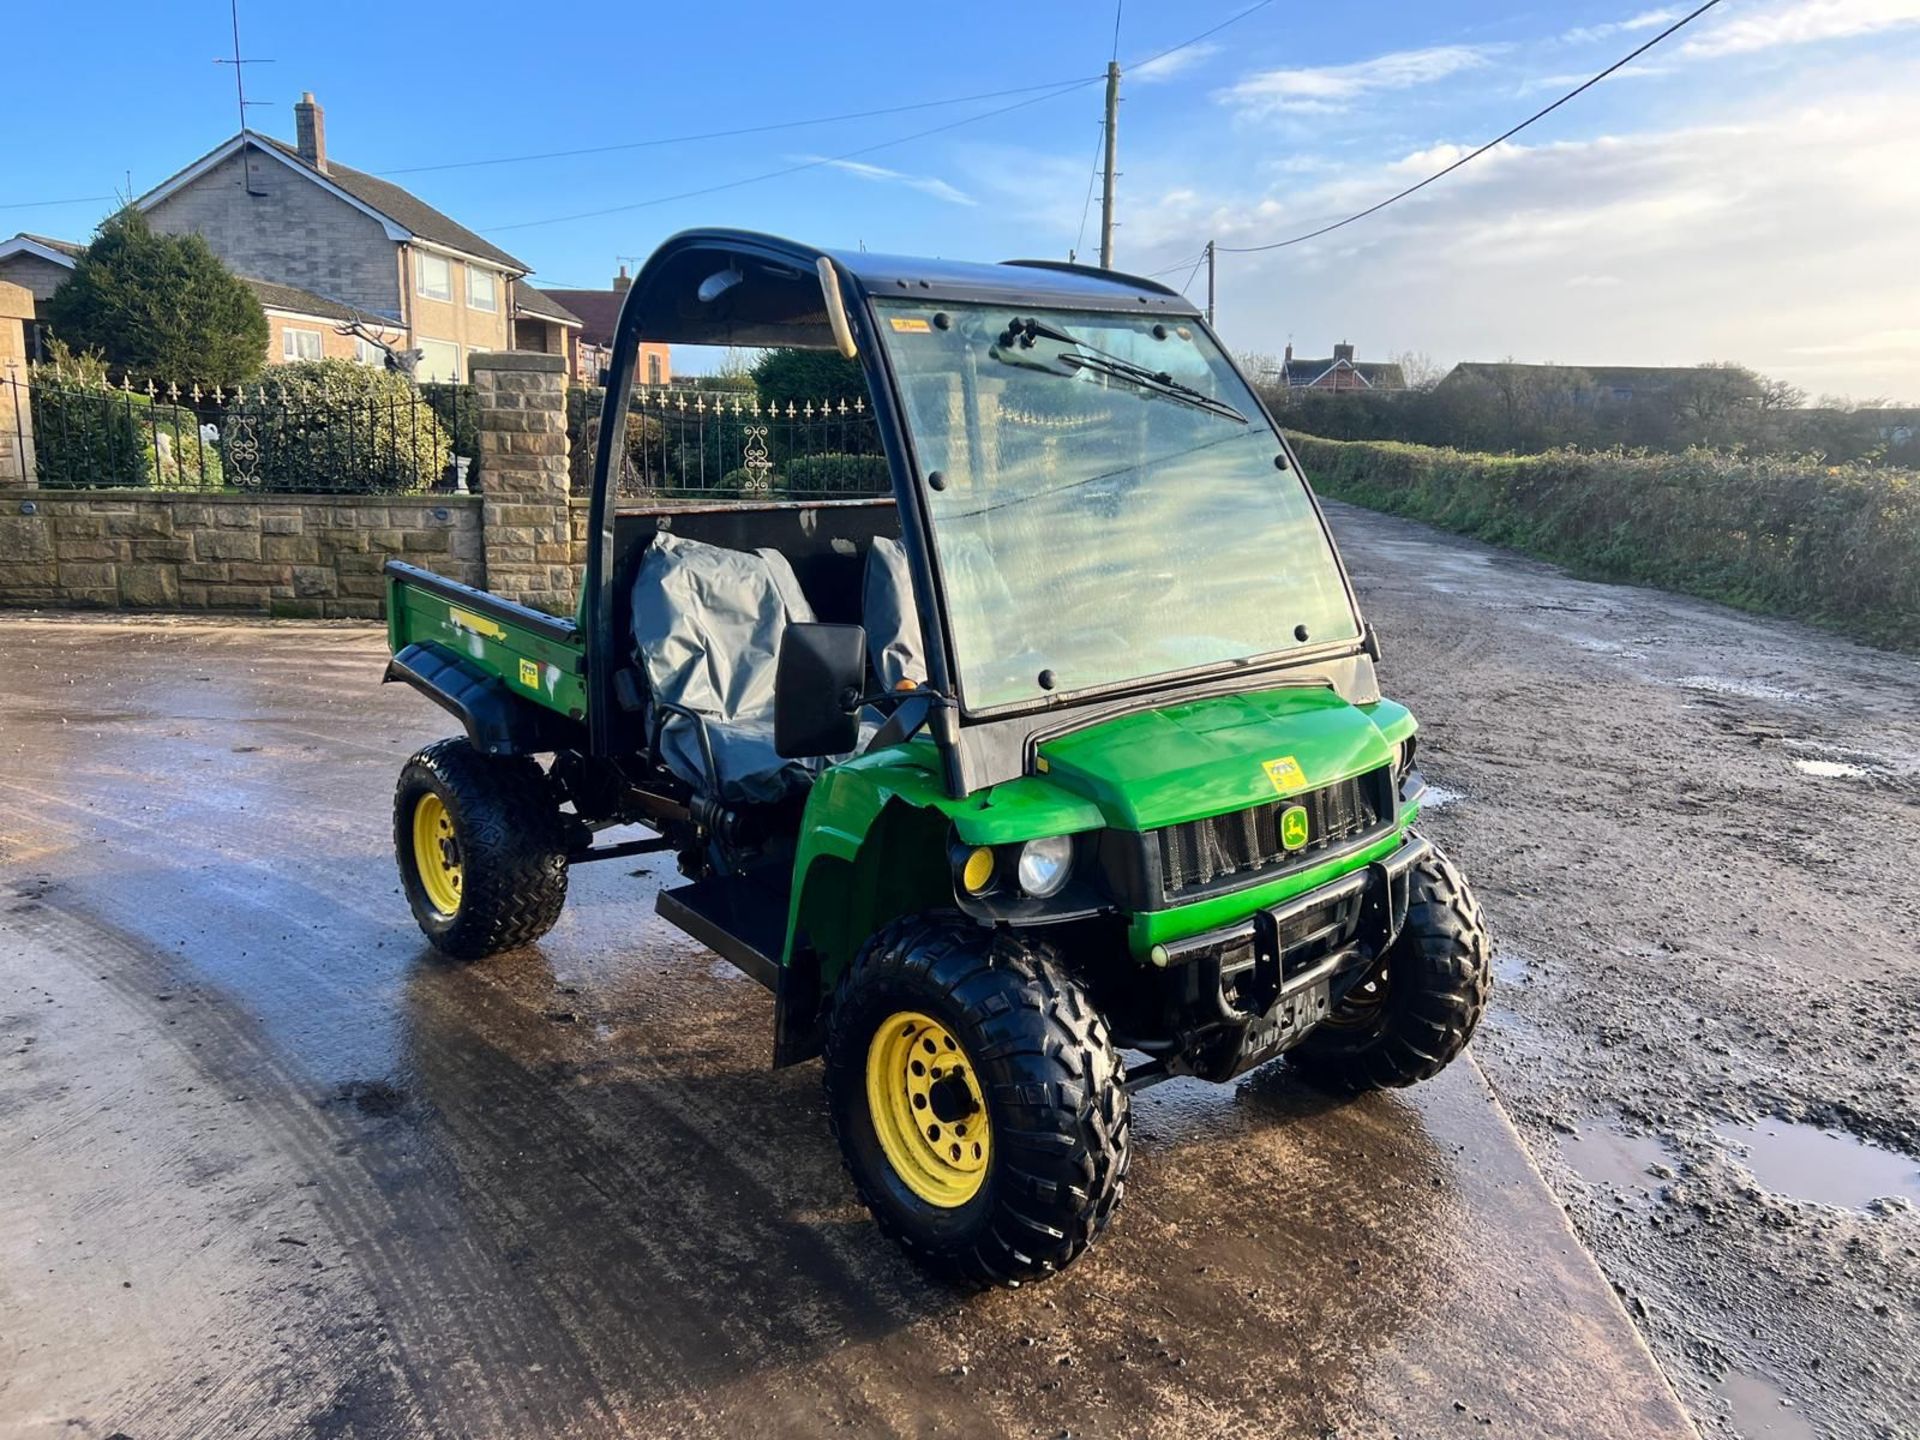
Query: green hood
<point x="1207" y="757"/>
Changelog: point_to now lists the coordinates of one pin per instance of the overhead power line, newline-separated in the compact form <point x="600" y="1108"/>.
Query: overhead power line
<point x="1468" y="159"/>
<point x="793" y="169"/>
<point x="765" y="129"/>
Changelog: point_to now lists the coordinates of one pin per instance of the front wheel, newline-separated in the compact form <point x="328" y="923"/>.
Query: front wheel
<point x="978" y="1101"/>
<point x="481" y="848"/>
<point x="1416" y="1010"/>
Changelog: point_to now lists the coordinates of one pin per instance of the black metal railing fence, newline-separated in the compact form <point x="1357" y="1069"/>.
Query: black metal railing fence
<point x="693" y="444"/>
<point x="368" y="433"/>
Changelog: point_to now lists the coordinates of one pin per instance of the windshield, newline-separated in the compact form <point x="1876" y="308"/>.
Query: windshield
<point x="1109" y="506"/>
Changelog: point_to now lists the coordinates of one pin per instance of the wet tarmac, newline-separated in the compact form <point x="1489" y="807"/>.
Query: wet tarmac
<point x="269" y="1166"/>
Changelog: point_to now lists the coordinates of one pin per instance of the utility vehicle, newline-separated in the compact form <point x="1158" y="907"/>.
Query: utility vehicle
<point x="1061" y="772"/>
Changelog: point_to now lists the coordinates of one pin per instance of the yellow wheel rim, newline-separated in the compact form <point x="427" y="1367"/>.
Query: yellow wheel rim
<point x="928" y="1112"/>
<point x="436" y="853"/>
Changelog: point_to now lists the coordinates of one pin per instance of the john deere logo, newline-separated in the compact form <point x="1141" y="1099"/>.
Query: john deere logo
<point x="1286" y="774"/>
<point x="1293" y="827"/>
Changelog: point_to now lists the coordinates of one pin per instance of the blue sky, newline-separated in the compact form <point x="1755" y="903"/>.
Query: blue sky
<point x="1747" y="193"/>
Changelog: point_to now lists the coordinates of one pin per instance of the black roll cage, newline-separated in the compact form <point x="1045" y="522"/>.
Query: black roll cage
<point x="736" y="287"/>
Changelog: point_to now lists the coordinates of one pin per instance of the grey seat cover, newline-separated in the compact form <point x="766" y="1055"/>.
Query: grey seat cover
<point x="707" y="624"/>
<point x="892" y="617"/>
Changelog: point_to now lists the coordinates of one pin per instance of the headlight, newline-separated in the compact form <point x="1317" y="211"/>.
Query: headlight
<point x="1044" y="865"/>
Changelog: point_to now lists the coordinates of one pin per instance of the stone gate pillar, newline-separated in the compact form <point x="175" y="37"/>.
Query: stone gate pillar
<point x="522" y="398"/>
<point x="16" y="415"/>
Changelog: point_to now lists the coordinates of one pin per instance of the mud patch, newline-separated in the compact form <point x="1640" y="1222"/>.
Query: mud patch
<point x="1824" y="1167"/>
<point x="375" y="1098"/>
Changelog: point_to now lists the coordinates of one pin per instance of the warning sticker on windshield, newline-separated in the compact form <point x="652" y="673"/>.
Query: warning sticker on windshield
<point x="1286" y="774"/>
<point x="909" y="325"/>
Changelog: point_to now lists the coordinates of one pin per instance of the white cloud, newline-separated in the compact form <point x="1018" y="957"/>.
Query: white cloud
<point x="1170" y="65"/>
<point x="1645" y="20"/>
<point x="926" y="184"/>
<point x="1798" y="22"/>
<point x="1779" y="237"/>
<point x="1338" y="87"/>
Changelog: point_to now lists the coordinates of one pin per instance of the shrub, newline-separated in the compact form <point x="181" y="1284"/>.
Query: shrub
<point x="839" y="475"/>
<point x="91" y="435"/>
<point x="160" y="305"/>
<point x="1835" y="544"/>
<point x="334" y="425"/>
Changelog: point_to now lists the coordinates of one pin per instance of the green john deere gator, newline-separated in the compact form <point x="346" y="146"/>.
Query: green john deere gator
<point x="1060" y="772"/>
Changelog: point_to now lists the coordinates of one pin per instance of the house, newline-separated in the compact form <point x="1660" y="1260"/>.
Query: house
<point x="301" y="325"/>
<point x="1341" y="373"/>
<point x="1585" y="384"/>
<point x="599" y="312"/>
<point x="350" y="260"/>
<point x="40" y="265"/>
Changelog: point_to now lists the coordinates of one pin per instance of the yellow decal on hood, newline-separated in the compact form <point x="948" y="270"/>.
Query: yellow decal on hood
<point x="1286" y="774"/>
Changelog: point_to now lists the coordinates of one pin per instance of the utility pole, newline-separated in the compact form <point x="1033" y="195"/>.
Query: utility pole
<point x="1106" y="184"/>
<point x="1210" y="282"/>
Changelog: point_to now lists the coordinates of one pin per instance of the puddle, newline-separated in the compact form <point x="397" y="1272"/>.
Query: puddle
<point x="1605" y="1156"/>
<point x="1438" y="797"/>
<point x="1758" y="1411"/>
<point x="1831" y="769"/>
<point x="1510" y="967"/>
<point x="1745" y="689"/>
<point x="1826" y="1167"/>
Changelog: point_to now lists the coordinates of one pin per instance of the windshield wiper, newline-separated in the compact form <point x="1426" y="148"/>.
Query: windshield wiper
<point x="1021" y="334"/>
<point x="1158" y="381"/>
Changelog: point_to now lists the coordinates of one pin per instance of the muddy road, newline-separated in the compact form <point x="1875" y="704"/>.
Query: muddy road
<point x="1697" y="835"/>
<point x="268" y="1166"/>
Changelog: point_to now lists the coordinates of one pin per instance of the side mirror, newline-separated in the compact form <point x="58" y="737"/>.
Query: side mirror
<point x="816" y="690"/>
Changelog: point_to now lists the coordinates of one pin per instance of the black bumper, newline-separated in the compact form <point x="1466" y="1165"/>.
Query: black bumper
<point x="1247" y="992"/>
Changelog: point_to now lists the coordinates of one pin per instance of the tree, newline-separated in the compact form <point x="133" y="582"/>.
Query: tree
<point x="160" y="306"/>
<point x="801" y="375"/>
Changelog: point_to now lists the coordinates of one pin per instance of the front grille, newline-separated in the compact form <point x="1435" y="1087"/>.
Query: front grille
<point x="1225" y="850"/>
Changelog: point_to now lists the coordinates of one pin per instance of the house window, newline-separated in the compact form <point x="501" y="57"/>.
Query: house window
<point x="439" y="360"/>
<point x="433" y="276"/>
<point x="481" y="294"/>
<point x="653" y="369"/>
<point x="301" y="344"/>
<point x="368" y="353"/>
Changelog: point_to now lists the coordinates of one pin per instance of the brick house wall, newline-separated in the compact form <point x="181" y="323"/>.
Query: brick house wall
<point x="333" y="345"/>
<point x="39" y="277"/>
<point x="454" y="321"/>
<point x="296" y="233"/>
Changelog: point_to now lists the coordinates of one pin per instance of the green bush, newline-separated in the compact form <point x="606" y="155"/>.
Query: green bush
<point x="1834" y="544"/>
<point x="333" y="425"/>
<point x="838" y="474"/>
<point x="91" y="435"/>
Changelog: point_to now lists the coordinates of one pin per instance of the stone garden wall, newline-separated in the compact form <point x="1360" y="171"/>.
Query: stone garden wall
<point x="310" y="556"/>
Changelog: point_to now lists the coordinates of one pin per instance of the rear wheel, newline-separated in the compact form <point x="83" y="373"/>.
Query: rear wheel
<point x="1418" y="1008"/>
<point x="977" y="1099"/>
<point x="481" y="848"/>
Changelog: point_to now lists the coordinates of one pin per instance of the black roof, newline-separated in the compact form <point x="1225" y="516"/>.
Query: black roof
<point x="402" y="207"/>
<point x="777" y="298"/>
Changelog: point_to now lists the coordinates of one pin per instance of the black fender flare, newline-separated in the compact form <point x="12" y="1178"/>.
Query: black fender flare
<point x="497" y="721"/>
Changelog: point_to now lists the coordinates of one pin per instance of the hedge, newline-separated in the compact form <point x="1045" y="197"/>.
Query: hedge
<point x="832" y="474"/>
<point x="337" y="425"/>
<point x="1835" y="544"/>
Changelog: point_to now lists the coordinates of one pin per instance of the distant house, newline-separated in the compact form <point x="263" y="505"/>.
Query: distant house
<point x="599" y="312"/>
<point x="1340" y="373"/>
<point x="1586" y="384"/>
<point x="346" y="264"/>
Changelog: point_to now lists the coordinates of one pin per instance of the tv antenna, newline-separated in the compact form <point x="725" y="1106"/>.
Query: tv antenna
<point x="240" y="95"/>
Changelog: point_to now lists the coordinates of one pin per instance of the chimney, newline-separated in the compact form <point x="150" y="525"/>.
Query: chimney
<point x="621" y="282"/>
<point x="1343" y="351"/>
<point x="310" y="132"/>
<point x="1289" y="360"/>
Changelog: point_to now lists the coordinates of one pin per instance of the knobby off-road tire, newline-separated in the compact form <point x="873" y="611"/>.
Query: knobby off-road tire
<point x="1045" y="1069"/>
<point x="501" y="817"/>
<point x="1411" y="1017"/>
